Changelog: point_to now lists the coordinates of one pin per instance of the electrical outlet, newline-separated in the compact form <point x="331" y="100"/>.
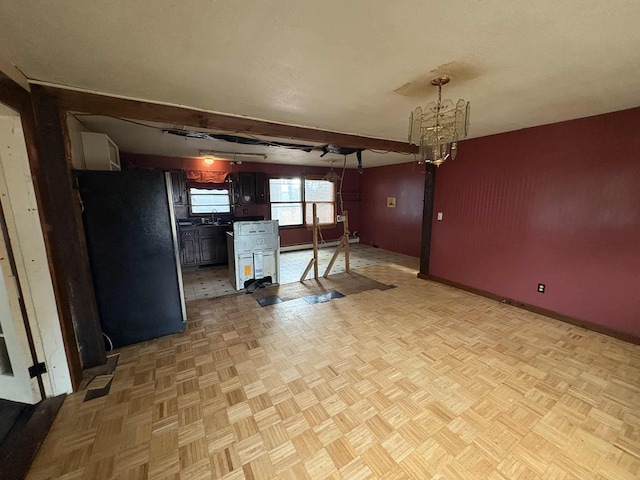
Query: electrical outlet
<point x="541" y="287"/>
<point x="439" y="217"/>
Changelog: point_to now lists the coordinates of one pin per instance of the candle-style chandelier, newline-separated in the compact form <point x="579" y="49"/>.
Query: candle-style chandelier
<point x="438" y="127"/>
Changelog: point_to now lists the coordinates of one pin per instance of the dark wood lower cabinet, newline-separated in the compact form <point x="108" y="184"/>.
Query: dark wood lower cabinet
<point x="190" y="251"/>
<point x="203" y="246"/>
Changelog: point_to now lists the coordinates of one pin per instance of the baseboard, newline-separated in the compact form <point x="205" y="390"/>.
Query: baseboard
<point x="307" y="246"/>
<point x="594" y="327"/>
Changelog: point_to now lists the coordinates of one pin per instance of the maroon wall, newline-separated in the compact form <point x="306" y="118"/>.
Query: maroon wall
<point x="557" y="204"/>
<point x="288" y="235"/>
<point x="398" y="229"/>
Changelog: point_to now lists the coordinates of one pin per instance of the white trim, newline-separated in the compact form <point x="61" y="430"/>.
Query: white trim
<point x="176" y="240"/>
<point x="14" y="74"/>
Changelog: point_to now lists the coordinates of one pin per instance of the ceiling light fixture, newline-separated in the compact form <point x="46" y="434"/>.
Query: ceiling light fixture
<point x="230" y="155"/>
<point x="437" y="128"/>
<point x="208" y="160"/>
<point x="331" y="175"/>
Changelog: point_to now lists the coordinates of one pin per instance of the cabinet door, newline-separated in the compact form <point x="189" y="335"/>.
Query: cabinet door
<point x="262" y="194"/>
<point x="207" y="251"/>
<point x="221" y="248"/>
<point x="179" y="188"/>
<point x="190" y="250"/>
<point x="234" y="187"/>
<point x="247" y="188"/>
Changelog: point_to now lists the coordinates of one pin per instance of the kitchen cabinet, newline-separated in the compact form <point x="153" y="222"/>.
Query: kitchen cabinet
<point x="179" y="187"/>
<point x="189" y="247"/>
<point x="262" y="194"/>
<point x="249" y="188"/>
<point x="203" y="245"/>
<point x="100" y="153"/>
<point x="247" y="184"/>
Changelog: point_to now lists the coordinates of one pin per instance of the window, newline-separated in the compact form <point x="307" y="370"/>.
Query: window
<point x="285" y="196"/>
<point x="204" y="200"/>
<point x="323" y="194"/>
<point x="289" y="200"/>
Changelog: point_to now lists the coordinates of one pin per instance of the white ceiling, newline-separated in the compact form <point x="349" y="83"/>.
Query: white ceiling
<point x="336" y="64"/>
<point x="149" y="138"/>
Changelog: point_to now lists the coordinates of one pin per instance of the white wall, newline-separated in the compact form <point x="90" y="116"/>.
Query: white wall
<point x="25" y="233"/>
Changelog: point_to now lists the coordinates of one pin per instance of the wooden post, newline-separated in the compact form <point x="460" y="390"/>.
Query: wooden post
<point x="314" y="261"/>
<point x="335" y="256"/>
<point x="345" y="224"/>
<point x="315" y="241"/>
<point x="344" y="243"/>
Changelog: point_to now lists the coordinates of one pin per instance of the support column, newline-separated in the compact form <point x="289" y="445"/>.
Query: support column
<point x="67" y="245"/>
<point x="427" y="218"/>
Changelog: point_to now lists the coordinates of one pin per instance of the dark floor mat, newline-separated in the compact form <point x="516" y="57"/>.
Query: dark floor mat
<point x="270" y="300"/>
<point x="19" y="447"/>
<point x="322" y="297"/>
<point x="9" y="413"/>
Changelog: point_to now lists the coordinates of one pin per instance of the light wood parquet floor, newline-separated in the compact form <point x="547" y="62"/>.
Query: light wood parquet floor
<point x="419" y="382"/>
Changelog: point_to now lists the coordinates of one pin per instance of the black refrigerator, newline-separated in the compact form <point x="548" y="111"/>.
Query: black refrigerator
<point x="132" y="244"/>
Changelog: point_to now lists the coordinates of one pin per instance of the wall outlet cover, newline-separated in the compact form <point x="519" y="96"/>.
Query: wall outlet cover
<point x="541" y="287"/>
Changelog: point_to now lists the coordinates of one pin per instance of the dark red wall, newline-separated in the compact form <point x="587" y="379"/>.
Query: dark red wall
<point x="288" y="235"/>
<point x="557" y="204"/>
<point x="398" y="229"/>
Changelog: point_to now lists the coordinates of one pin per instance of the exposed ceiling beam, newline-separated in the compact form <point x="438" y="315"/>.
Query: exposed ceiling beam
<point x="92" y="103"/>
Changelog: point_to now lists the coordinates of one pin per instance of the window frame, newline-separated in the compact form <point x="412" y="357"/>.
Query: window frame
<point x="303" y="203"/>
<point x="190" y="196"/>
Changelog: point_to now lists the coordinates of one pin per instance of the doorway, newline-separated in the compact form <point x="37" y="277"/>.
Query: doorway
<point x="30" y="330"/>
<point x="16" y="350"/>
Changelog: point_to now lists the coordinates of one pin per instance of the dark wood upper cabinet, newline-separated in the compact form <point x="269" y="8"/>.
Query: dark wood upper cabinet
<point x="262" y="194"/>
<point x="249" y="188"/>
<point x="179" y="188"/>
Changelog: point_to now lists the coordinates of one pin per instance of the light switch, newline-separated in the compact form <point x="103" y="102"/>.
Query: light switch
<point x="439" y="217"/>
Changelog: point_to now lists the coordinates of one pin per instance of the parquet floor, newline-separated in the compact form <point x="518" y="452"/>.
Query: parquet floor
<point x="422" y="381"/>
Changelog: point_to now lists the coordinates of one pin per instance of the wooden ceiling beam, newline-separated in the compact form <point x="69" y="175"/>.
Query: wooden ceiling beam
<point x="91" y="103"/>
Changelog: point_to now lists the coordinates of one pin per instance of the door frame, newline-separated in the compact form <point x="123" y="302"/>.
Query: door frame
<point x="27" y="245"/>
<point x="17" y="385"/>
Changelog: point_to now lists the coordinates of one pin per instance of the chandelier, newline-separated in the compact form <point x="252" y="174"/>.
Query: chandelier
<point x="437" y="128"/>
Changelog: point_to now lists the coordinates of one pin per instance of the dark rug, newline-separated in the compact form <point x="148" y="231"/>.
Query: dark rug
<point x="318" y="291"/>
<point x="9" y="413"/>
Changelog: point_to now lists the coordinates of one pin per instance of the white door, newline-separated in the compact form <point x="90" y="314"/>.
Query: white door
<point x="24" y="271"/>
<point x="15" y="355"/>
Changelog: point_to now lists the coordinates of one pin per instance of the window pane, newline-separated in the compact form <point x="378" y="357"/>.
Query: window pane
<point x="326" y="213"/>
<point x="285" y="190"/>
<point x="209" y="201"/>
<point x="287" y="213"/>
<point x="319" y="190"/>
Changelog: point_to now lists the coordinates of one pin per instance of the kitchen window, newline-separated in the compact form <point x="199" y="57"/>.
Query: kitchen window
<point x="204" y="200"/>
<point x="292" y="201"/>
